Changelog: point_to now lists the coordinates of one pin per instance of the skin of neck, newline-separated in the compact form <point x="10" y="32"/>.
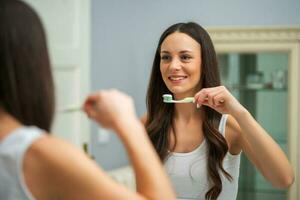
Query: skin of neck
<point x="186" y="111"/>
<point x="7" y="124"/>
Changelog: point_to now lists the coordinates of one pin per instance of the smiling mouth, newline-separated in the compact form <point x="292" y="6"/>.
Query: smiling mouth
<point x="177" y="78"/>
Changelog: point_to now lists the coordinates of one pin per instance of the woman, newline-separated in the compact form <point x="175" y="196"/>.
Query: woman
<point x="200" y="144"/>
<point x="35" y="165"/>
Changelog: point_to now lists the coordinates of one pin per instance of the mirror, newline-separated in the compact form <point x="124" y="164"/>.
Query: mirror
<point x="259" y="82"/>
<point x="261" y="67"/>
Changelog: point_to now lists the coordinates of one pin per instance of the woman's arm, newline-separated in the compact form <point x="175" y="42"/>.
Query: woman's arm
<point x="262" y="150"/>
<point x="115" y="110"/>
<point x="150" y="175"/>
<point x="257" y="144"/>
<point x="55" y="169"/>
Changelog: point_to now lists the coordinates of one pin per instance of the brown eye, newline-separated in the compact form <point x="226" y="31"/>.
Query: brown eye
<point x="186" y="57"/>
<point x="165" y="57"/>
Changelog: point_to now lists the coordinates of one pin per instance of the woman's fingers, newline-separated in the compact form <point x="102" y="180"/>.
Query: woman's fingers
<point x="219" y="99"/>
<point x="212" y="97"/>
<point x="206" y="96"/>
<point x="92" y="103"/>
<point x="109" y="107"/>
<point x="201" y="96"/>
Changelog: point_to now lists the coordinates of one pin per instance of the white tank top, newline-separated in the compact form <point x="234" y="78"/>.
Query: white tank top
<point x="12" y="151"/>
<point x="189" y="176"/>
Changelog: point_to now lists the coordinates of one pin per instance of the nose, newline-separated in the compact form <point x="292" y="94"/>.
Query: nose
<point x="175" y="64"/>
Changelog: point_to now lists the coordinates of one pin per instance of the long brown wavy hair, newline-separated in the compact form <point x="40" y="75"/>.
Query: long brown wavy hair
<point x="160" y="115"/>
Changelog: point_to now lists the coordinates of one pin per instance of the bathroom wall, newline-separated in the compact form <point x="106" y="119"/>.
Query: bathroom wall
<point x="125" y="34"/>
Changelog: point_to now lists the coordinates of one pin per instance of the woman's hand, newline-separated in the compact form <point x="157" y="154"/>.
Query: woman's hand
<point x="219" y="99"/>
<point x="110" y="108"/>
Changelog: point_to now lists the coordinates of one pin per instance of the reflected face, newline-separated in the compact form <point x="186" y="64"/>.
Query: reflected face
<point x="180" y="64"/>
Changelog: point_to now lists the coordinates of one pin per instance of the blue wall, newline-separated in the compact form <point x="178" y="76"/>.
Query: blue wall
<point x="125" y="34"/>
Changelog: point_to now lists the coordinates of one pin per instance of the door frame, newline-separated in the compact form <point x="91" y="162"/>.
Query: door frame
<point x="69" y="50"/>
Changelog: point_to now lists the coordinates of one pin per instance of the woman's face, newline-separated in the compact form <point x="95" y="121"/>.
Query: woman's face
<point x="180" y="64"/>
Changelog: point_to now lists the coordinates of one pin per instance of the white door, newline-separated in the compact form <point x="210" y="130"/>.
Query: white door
<point x="67" y="27"/>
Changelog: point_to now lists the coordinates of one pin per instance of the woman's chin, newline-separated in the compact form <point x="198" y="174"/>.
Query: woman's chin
<point x="181" y="92"/>
<point x="177" y="90"/>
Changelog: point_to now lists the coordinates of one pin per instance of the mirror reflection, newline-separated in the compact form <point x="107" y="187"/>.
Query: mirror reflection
<point x="259" y="81"/>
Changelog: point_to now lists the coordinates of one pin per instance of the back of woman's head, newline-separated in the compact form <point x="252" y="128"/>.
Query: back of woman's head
<point x="26" y="85"/>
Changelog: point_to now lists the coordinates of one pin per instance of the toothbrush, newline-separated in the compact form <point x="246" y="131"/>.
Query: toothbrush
<point x="70" y="109"/>
<point x="73" y="108"/>
<point x="167" y="98"/>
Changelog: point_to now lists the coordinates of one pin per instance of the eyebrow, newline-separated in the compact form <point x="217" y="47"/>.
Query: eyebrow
<point x="183" y="51"/>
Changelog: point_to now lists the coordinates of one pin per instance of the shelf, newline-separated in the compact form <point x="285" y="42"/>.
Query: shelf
<point x="277" y="191"/>
<point x="255" y="87"/>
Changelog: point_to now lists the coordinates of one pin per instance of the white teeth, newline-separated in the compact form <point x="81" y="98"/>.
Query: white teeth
<point x="176" y="78"/>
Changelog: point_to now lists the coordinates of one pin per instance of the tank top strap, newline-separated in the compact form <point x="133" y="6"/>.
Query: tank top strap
<point x="222" y="125"/>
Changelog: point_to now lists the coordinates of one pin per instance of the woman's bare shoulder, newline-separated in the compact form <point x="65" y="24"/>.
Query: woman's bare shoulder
<point x="49" y="165"/>
<point x="67" y="172"/>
